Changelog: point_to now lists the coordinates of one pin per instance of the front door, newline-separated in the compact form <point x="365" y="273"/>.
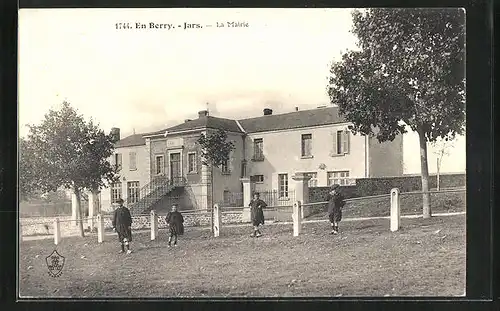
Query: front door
<point x="175" y="167"/>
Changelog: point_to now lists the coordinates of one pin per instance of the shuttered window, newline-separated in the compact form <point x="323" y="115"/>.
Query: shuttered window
<point x="341" y="142"/>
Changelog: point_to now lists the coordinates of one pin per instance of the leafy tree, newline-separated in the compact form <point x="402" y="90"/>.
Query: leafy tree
<point x="29" y="174"/>
<point x="71" y="153"/>
<point x="409" y="71"/>
<point x="215" y="152"/>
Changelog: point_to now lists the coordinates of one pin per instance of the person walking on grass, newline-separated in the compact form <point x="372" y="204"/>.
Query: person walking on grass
<point x="175" y="223"/>
<point x="335" y="204"/>
<point x="122" y="224"/>
<point x="257" y="214"/>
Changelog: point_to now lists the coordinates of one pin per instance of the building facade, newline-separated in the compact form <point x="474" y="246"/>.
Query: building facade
<point x="269" y="149"/>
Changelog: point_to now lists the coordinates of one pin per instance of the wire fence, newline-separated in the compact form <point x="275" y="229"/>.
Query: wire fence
<point x="443" y="201"/>
<point x="411" y="203"/>
<point x="49" y="209"/>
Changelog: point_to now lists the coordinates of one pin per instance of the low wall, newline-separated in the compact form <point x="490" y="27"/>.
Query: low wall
<point x="45" y="225"/>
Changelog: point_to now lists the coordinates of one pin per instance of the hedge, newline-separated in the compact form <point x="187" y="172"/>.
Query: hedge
<point x="376" y="186"/>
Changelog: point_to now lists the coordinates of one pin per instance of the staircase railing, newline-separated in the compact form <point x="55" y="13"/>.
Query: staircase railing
<point x="153" y="192"/>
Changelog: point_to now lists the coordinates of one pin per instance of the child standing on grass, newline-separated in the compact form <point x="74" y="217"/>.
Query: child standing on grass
<point x="175" y="223"/>
<point x="257" y="214"/>
<point x="122" y="224"/>
<point x="335" y="204"/>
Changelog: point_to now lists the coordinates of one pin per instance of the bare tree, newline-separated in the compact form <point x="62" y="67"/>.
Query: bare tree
<point x="442" y="149"/>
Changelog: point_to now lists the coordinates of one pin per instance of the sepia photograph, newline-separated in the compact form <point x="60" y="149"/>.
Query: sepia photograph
<point x="241" y="153"/>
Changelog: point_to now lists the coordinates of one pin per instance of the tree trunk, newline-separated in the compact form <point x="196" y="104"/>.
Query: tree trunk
<point x="424" y="168"/>
<point x="94" y="209"/>
<point x="437" y="176"/>
<point x="212" y="199"/>
<point x="79" y="212"/>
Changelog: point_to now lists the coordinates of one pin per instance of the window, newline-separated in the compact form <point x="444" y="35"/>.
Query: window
<point x="225" y="167"/>
<point x="313" y="181"/>
<point x="258" y="149"/>
<point x="338" y="177"/>
<point x="226" y="196"/>
<point x="116" y="191"/>
<point x="307" y="145"/>
<point x="118" y="161"/>
<point x="132" y="161"/>
<point x="283" y="185"/>
<point x="133" y="191"/>
<point x="257" y="178"/>
<point x="243" y="168"/>
<point x="159" y="165"/>
<point x="341" y="142"/>
<point x="192" y="162"/>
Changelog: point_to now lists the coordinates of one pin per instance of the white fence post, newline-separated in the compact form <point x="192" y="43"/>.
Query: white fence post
<point x="297" y="218"/>
<point x="100" y="228"/>
<point x="217" y="220"/>
<point x="302" y="192"/>
<point x="57" y="232"/>
<point x="154" y="225"/>
<point x="90" y="220"/>
<point x="395" y="210"/>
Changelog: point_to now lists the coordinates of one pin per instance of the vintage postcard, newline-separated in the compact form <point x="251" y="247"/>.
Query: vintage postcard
<point x="224" y="153"/>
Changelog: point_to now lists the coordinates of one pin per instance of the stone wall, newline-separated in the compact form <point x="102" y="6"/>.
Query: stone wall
<point x="45" y="225"/>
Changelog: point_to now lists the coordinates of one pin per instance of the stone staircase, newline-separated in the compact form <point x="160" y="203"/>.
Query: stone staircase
<point x="153" y="192"/>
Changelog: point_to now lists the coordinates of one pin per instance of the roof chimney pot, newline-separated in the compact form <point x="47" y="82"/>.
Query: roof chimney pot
<point x="268" y="112"/>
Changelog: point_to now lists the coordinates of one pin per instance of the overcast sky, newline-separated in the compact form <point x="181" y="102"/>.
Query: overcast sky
<point x="148" y="79"/>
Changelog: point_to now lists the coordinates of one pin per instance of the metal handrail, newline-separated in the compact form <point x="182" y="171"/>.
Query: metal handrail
<point x="154" y="191"/>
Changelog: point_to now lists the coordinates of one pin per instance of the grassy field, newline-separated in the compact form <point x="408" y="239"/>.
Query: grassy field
<point x="424" y="258"/>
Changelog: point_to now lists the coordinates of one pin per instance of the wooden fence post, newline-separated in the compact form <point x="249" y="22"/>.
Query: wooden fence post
<point x="217" y="220"/>
<point x="395" y="210"/>
<point x="297" y="218"/>
<point x="154" y="225"/>
<point x="57" y="232"/>
<point x="100" y="228"/>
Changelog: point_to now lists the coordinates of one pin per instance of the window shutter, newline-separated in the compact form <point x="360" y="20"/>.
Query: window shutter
<point x="334" y="143"/>
<point x="132" y="160"/>
<point x="345" y="142"/>
<point x="119" y="164"/>
<point x="231" y="162"/>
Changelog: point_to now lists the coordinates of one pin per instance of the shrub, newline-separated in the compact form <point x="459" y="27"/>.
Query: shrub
<point x="383" y="185"/>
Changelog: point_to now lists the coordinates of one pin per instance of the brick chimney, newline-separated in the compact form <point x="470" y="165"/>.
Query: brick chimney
<point x="115" y="134"/>
<point x="268" y="112"/>
<point x="296" y="108"/>
<point x="202" y="113"/>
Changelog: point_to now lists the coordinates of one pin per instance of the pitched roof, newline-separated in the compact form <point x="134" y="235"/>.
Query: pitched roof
<point x="296" y="119"/>
<point x="207" y="122"/>
<point x="291" y="120"/>
<point x="130" y="141"/>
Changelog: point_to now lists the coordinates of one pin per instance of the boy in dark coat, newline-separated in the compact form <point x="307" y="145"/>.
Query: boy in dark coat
<point x="257" y="214"/>
<point x="122" y="224"/>
<point x="335" y="204"/>
<point x="175" y="223"/>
